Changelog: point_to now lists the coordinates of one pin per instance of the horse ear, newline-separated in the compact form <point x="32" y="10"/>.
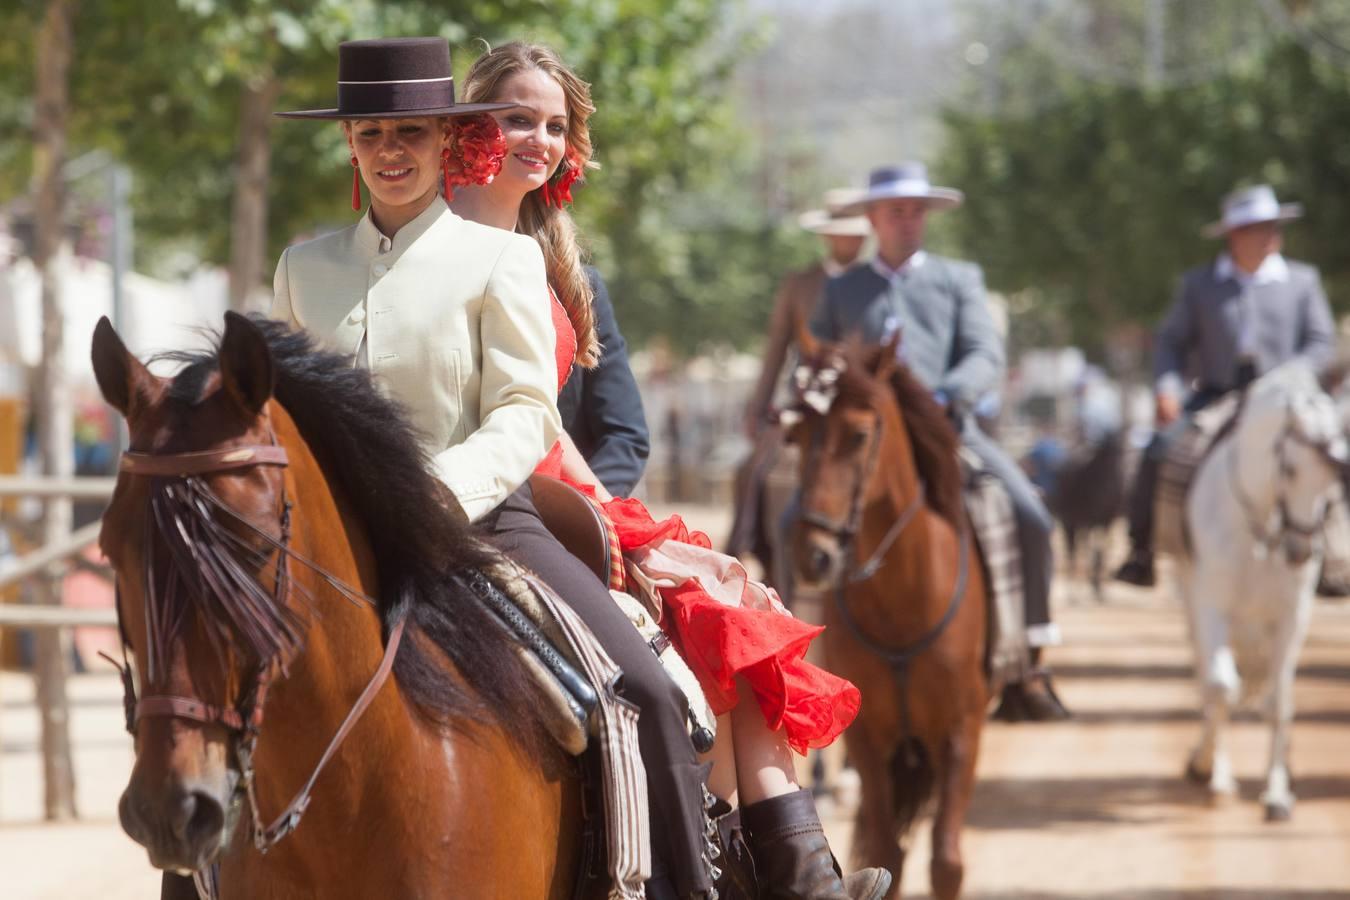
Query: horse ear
<point x="807" y="343"/>
<point x="246" y="371"/>
<point x="122" y="378"/>
<point x="889" y="355"/>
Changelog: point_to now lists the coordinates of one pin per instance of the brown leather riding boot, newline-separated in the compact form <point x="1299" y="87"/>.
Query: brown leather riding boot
<point x="793" y="859"/>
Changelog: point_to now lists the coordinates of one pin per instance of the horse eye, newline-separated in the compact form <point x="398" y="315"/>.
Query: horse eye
<point x="858" y="440"/>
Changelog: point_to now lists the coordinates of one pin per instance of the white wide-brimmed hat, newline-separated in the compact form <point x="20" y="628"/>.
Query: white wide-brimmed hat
<point x="1249" y="206"/>
<point x="906" y="181"/>
<point x="833" y="220"/>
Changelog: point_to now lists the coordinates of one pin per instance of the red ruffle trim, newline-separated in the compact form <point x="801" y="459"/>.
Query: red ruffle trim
<point x="720" y="641"/>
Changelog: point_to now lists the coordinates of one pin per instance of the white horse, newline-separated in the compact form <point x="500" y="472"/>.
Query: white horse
<point x="1255" y="513"/>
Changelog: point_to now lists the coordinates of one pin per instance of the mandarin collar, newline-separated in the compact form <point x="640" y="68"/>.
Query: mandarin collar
<point x="375" y="243"/>
<point x="915" y="261"/>
<point x="1273" y="270"/>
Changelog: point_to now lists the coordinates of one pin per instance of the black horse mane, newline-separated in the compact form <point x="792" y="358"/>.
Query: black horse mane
<point x="370" y="454"/>
<point x="934" y="442"/>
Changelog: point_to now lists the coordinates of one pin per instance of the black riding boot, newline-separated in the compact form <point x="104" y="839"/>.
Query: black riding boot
<point x="1033" y="699"/>
<point x="793" y="859"/>
<point x="1138" y="567"/>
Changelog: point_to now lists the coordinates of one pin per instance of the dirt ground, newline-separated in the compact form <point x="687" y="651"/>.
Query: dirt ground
<point x="1091" y="808"/>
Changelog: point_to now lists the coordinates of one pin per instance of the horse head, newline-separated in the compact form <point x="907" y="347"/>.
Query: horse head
<point x="845" y="420"/>
<point x="1289" y="420"/>
<point x="196" y="532"/>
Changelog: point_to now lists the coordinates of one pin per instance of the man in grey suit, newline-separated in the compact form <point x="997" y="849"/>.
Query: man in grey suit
<point x="951" y="344"/>
<point x="1232" y="320"/>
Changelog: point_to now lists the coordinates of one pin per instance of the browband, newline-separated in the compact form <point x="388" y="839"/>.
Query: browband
<point x="202" y="462"/>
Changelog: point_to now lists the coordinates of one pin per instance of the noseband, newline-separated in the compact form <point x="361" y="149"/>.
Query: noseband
<point x="244" y="719"/>
<point x="847" y="531"/>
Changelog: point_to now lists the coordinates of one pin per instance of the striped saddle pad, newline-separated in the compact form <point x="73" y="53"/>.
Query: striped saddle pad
<point x="1190" y="444"/>
<point x="994" y="524"/>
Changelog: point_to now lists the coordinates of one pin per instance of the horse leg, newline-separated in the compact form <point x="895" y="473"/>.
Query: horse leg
<point x="177" y="887"/>
<point x="1216" y="677"/>
<point x="1097" y="564"/>
<point x="1071" y="556"/>
<point x="957" y="774"/>
<point x="1278" y="797"/>
<point x="874" y="838"/>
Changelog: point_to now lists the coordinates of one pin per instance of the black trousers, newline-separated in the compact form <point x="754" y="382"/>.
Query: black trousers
<point x="674" y="777"/>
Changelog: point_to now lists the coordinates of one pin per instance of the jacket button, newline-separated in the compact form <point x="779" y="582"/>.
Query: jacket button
<point x="358" y="315"/>
<point x="379" y="269"/>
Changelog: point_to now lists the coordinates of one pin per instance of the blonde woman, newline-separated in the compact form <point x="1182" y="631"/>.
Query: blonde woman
<point x="745" y="648"/>
<point x="452" y="316"/>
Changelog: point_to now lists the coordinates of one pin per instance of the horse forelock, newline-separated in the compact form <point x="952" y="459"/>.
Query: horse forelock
<point x="215" y="578"/>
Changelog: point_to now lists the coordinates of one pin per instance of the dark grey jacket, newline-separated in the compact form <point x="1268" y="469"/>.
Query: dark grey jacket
<point x="1201" y="338"/>
<point x="949" y="340"/>
<point x="602" y="409"/>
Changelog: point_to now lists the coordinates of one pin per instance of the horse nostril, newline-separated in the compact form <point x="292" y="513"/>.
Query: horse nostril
<point x="199" y="818"/>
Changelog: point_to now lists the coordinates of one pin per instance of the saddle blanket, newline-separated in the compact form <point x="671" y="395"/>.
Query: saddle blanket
<point x="995" y="526"/>
<point x="613" y="726"/>
<point x="1190" y="445"/>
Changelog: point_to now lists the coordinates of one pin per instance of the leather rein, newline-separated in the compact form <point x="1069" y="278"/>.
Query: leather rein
<point x="244" y="719"/>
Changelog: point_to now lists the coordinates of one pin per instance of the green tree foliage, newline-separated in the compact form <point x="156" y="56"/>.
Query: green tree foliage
<point x="672" y="215"/>
<point x="1092" y="204"/>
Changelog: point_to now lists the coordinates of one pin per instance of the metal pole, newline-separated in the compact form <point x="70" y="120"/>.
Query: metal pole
<point x="120" y="182"/>
<point x="122" y="236"/>
<point x="41" y="486"/>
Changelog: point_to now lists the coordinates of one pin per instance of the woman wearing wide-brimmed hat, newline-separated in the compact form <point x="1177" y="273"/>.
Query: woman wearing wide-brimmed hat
<point x="452" y="317"/>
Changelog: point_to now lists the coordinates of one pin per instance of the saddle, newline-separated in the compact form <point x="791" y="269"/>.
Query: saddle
<point x="579" y="525"/>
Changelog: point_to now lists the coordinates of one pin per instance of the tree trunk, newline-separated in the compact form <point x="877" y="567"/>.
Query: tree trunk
<point x="54" y="413"/>
<point x="248" y="217"/>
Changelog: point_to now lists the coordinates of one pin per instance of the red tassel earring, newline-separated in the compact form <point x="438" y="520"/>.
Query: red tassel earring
<point x="356" y="185"/>
<point x="445" y="174"/>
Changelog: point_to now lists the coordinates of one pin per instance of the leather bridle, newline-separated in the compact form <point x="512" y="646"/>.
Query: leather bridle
<point x="1286" y="523"/>
<point x="243" y="719"/>
<point x="899" y="658"/>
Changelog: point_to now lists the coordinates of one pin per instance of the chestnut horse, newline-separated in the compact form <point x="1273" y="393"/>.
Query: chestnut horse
<point x="882" y="523"/>
<point x="279" y="543"/>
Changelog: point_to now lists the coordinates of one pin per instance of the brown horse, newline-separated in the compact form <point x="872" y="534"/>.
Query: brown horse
<point x="882" y="523"/>
<point x="275" y="531"/>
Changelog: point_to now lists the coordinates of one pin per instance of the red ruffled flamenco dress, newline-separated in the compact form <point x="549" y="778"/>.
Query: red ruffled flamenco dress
<point x="722" y="623"/>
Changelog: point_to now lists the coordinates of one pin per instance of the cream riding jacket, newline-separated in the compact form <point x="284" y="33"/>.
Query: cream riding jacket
<point x="453" y="319"/>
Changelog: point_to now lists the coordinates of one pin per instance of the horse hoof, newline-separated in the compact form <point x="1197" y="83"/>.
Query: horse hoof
<point x="1278" y="812"/>
<point x="1196" y="775"/>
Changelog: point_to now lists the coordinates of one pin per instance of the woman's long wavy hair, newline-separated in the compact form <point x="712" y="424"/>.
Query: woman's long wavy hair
<point x="552" y="227"/>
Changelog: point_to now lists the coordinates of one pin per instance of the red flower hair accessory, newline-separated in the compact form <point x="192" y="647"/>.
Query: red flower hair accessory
<point x="476" y="153"/>
<point x="558" y="190"/>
